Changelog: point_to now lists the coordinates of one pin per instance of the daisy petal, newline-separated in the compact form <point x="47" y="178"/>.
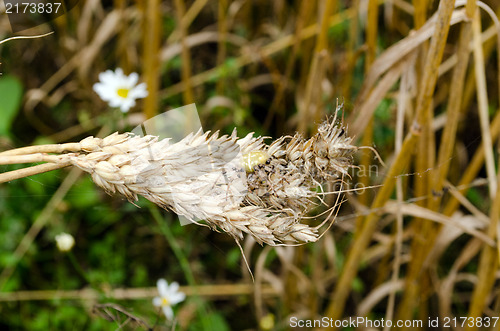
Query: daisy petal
<point x="119" y="73"/>
<point x="177" y="297"/>
<point x="132" y="79"/>
<point x="107" y="77"/>
<point x="174" y="287"/>
<point x="169" y="313"/>
<point x="127" y="104"/>
<point x="139" y="91"/>
<point x="162" y="287"/>
<point x="157" y="301"/>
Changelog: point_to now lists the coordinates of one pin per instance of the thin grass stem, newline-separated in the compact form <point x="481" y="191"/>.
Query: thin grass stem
<point x="183" y="261"/>
<point x="30" y="171"/>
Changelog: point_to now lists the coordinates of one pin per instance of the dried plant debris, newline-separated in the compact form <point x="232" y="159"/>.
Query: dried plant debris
<point x="234" y="185"/>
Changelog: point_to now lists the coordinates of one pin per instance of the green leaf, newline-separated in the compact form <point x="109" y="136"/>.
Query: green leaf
<point x="218" y="322"/>
<point x="11" y="92"/>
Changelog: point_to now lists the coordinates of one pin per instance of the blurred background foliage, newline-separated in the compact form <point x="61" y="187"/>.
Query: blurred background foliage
<point x="270" y="67"/>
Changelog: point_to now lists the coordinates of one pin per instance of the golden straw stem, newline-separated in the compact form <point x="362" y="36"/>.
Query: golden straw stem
<point x="51" y="148"/>
<point x="316" y="72"/>
<point x="152" y="38"/>
<point x="488" y="265"/>
<point x="434" y="56"/>
<point x="215" y="291"/>
<point x="482" y="100"/>
<point x="420" y="13"/>
<point x="424" y="101"/>
<point x="35" y="170"/>
<point x="453" y="111"/>
<point x="473" y="168"/>
<point x="367" y="140"/>
<point x="266" y="51"/>
<point x="31" y="158"/>
<point x="221" y="44"/>
<point x="188" y="96"/>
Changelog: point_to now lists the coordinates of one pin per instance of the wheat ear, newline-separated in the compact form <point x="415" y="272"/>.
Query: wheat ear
<point x="235" y="185"/>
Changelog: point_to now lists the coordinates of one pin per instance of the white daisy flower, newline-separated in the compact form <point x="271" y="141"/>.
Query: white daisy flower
<point x="119" y="90"/>
<point x="169" y="296"/>
<point x="65" y="242"/>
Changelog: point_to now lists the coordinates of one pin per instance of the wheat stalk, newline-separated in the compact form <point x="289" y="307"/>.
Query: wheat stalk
<point x="235" y="185"/>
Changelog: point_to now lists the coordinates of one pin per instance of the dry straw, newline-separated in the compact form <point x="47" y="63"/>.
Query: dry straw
<point x="235" y="185"/>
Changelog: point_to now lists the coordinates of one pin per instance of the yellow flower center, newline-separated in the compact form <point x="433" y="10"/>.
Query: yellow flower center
<point x="122" y="92"/>
<point x="165" y="302"/>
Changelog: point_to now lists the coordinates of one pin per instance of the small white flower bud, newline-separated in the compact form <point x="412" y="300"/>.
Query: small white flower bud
<point x="65" y="242"/>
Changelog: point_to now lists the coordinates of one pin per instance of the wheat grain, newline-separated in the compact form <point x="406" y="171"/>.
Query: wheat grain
<point x="235" y="185"/>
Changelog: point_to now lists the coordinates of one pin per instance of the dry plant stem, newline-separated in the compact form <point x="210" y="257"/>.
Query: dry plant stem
<point x="398" y="248"/>
<point x="453" y="111"/>
<point x="364" y="181"/>
<point x="108" y="29"/>
<point x="122" y="37"/>
<point x="51" y="148"/>
<point x="366" y="108"/>
<point x="469" y="251"/>
<point x="488" y="49"/>
<point x="31" y="158"/>
<point x="469" y="206"/>
<point x="425" y="231"/>
<point x="351" y="56"/>
<point x="266" y="51"/>
<point x="434" y="57"/>
<point x="424" y="101"/>
<point x="104" y="32"/>
<point x="402" y="102"/>
<point x="30" y="171"/>
<point x="349" y="270"/>
<point x="34" y="154"/>
<point x="316" y="72"/>
<point x="306" y="8"/>
<point x="187" y="19"/>
<point x="259" y="282"/>
<point x="316" y="276"/>
<point x="367" y="140"/>
<point x="38" y="224"/>
<point x="456" y="192"/>
<point x="396" y="52"/>
<point x="186" y="74"/>
<point x="488" y="264"/>
<point x="420" y="13"/>
<point x="482" y="99"/>
<point x="371" y="33"/>
<point x="473" y="168"/>
<point x="376" y="295"/>
<point x="152" y="40"/>
<point x="417" y="211"/>
<point x="221" y="45"/>
<point x="210" y="291"/>
<point x="422" y="248"/>
<point x="423" y="161"/>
